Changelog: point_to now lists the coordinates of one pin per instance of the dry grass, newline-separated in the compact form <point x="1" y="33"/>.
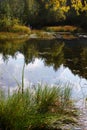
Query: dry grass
<point x="66" y="28"/>
<point x="11" y="35"/>
<point x="15" y="32"/>
<point x="68" y="37"/>
<point x="21" y="28"/>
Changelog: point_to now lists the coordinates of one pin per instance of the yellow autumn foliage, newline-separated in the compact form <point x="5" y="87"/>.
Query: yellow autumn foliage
<point x="57" y="5"/>
<point x="78" y="6"/>
<point x="61" y="5"/>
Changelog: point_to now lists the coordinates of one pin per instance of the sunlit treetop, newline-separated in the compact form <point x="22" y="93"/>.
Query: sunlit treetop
<point x="57" y="5"/>
<point x="78" y="6"/>
<point x="61" y="5"/>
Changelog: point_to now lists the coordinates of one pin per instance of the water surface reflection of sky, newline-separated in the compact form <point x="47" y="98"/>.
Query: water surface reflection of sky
<point x="37" y="72"/>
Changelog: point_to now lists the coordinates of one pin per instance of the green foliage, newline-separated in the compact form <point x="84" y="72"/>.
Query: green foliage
<point x="13" y="25"/>
<point x="34" y="108"/>
<point x="65" y="98"/>
<point x="40" y="13"/>
<point x="5" y="24"/>
<point x="46" y="97"/>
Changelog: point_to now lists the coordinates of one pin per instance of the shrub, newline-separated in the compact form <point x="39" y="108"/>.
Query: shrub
<point x="13" y="25"/>
<point x="21" y="29"/>
<point x="15" y="22"/>
<point x="5" y="24"/>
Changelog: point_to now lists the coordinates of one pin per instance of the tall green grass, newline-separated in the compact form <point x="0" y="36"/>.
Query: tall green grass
<point x="34" y="108"/>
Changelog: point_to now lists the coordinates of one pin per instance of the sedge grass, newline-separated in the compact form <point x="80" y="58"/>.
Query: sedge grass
<point x="34" y="108"/>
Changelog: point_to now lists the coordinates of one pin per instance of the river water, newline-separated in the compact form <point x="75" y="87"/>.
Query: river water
<point x="50" y="62"/>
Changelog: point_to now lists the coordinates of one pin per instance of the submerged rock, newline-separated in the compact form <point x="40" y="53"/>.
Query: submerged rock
<point x="82" y="35"/>
<point x="58" y="36"/>
<point x="33" y="36"/>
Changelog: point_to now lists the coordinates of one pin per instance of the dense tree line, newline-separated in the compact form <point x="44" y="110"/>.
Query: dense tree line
<point x="43" y="12"/>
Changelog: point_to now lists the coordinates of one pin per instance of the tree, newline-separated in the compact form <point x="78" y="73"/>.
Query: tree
<point x="58" y="7"/>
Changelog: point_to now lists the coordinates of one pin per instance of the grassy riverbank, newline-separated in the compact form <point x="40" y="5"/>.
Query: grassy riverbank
<point x="41" y="107"/>
<point x="14" y="31"/>
<point x="23" y="32"/>
<point x="66" y="28"/>
<point x="12" y="36"/>
<point x="67" y="32"/>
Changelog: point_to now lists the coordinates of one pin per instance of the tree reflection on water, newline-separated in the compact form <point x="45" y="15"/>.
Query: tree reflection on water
<point x="71" y="53"/>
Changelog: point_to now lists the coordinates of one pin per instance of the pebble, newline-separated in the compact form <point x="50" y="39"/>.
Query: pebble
<point x="82" y="118"/>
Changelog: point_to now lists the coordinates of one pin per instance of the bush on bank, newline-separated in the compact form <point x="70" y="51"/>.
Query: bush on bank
<point x="13" y="25"/>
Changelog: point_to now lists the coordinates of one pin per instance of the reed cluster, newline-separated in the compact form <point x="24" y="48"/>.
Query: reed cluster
<point x="35" y="108"/>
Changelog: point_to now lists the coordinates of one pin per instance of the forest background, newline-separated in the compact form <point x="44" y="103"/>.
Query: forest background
<point x="39" y="13"/>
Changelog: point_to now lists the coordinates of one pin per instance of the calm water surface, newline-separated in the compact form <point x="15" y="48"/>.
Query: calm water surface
<point x="47" y="61"/>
